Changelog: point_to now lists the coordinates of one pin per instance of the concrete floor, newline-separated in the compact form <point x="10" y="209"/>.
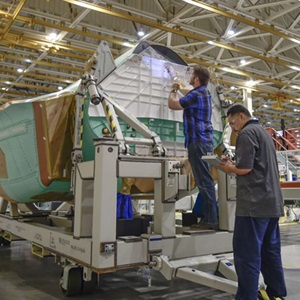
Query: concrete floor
<point x="27" y="277"/>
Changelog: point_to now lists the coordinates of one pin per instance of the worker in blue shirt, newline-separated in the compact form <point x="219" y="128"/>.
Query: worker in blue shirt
<point x="197" y="109"/>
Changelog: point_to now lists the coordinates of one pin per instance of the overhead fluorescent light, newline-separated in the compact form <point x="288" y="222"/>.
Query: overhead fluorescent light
<point x="127" y="44"/>
<point x="295" y="87"/>
<point x="192" y="2"/>
<point x="295" y="68"/>
<point x="295" y="40"/>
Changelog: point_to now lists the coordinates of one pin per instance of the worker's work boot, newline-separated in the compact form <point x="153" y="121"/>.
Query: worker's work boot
<point x="262" y="295"/>
<point x="205" y="226"/>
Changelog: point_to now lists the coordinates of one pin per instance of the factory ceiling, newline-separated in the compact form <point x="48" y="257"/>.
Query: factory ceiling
<point x="250" y="46"/>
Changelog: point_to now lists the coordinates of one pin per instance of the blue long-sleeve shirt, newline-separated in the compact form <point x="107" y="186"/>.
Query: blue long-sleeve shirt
<point x="197" y="116"/>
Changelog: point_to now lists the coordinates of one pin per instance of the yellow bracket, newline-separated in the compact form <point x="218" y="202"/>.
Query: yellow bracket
<point x="7" y="236"/>
<point x="39" y="250"/>
<point x="10" y="236"/>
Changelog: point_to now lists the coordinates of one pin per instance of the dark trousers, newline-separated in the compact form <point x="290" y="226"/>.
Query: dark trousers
<point x="204" y="181"/>
<point x="257" y="247"/>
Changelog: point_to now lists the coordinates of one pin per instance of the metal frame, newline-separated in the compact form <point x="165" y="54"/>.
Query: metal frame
<point x="89" y="239"/>
<point x="94" y="244"/>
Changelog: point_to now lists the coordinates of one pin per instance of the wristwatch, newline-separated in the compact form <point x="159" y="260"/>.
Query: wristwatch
<point x="173" y="91"/>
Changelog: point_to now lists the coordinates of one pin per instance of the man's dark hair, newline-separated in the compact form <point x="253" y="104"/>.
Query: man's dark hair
<point x="202" y="73"/>
<point x="238" y="108"/>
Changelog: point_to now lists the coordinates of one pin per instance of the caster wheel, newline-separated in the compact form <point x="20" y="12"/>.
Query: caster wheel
<point x="4" y="242"/>
<point x="88" y="287"/>
<point x="74" y="282"/>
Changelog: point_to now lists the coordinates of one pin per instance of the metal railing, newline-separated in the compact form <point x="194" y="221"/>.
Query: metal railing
<point x="291" y="160"/>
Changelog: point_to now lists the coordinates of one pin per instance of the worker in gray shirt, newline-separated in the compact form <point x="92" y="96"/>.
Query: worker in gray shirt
<point x="259" y="205"/>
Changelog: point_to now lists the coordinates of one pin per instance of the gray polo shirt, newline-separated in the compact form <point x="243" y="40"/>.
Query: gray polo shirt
<point x="258" y="192"/>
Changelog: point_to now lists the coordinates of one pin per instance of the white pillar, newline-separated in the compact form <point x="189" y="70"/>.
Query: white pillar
<point x="247" y="99"/>
<point x="105" y="205"/>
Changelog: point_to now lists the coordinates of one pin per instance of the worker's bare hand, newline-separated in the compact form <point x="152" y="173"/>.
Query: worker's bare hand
<point x="226" y="164"/>
<point x="227" y="159"/>
<point x="176" y="85"/>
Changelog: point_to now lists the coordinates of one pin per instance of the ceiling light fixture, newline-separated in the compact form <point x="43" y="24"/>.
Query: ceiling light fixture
<point x="141" y="32"/>
<point x="295" y="40"/>
<point x="127" y="44"/>
<point x="250" y="82"/>
<point x="52" y="37"/>
<point x="230" y="32"/>
<point x="295" y="87"/>
<point x="295" y="68"/>
<point x="192" y="2"/>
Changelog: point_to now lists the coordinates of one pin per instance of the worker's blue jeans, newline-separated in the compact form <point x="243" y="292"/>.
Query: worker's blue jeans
<point x="257" y="247"/>
<point x="204" y="181"/>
